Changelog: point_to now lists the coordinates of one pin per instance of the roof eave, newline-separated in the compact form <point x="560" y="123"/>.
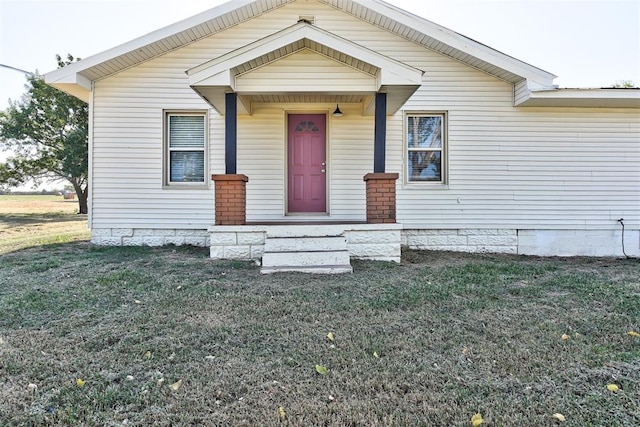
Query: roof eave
<point x="535" y="76"/>
<point x="583" y="98"/>
<point x="74" y="84"/>
<point x="212" y="79"/>
<point x="147" y="39"/>
<point x="466" y="49"/>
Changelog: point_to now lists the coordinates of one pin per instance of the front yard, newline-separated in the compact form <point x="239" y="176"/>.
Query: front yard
<point x="142" y="336"/>
<point x="32" y="220"/>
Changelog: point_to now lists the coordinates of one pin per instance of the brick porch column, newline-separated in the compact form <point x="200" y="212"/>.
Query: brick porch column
<point x="381" y="197"/>
<point x="231" y="199"/>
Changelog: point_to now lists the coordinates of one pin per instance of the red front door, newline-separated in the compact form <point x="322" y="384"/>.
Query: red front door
<point x="307" y="182"/>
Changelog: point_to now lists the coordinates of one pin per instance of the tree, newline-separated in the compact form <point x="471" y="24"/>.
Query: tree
<point x="46" y="130"/>
<point x="624" y="84"/>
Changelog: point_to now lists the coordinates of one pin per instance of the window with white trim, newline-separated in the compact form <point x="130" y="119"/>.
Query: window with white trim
<point x="186" y="148"/>
<point x="425" y="147"/>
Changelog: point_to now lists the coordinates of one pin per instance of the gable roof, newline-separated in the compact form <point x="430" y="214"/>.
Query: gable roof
<point x="214" y="78"/>
<point x="77" y="78"/>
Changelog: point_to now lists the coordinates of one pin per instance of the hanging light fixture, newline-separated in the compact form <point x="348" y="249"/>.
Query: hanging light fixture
<point x="337" y="112"/>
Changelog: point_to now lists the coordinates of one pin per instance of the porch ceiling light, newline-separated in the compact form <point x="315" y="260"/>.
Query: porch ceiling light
<point x="337" y="112"/>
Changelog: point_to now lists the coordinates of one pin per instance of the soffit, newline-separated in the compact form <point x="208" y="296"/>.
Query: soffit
<point x="442" y="40"/>
<point x="212" y="79"/>
<point x="306" y="44"/>
<point x="183" y="36"/>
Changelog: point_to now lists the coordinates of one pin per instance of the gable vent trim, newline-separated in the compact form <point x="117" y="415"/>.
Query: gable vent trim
<point x="309" y="19"/>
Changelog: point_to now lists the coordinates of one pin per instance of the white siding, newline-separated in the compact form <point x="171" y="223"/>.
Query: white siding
<point x="547" y="169"/>
<point x="305" y="71"/>
<point x="508" y="167"/>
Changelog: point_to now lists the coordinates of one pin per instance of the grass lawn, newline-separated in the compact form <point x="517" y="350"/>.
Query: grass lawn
<point x="27" y="221"/>
<point x="430" y="342"/>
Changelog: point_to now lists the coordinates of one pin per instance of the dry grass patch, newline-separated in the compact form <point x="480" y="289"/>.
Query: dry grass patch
<point x="37" y="204"/>
<point x="28" y="221"/>
<point x="429" y="342"/>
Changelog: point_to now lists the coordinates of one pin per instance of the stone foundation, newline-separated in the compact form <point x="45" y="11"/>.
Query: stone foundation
<point x="466" y="240"/>
<point x="148" y="237"/>
<point x="383" y="241"/>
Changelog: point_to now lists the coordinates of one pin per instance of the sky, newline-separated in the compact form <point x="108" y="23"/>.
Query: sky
<point x="587" y="43"/>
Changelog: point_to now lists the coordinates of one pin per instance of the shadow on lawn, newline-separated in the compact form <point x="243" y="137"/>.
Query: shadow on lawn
<point x="30" y="219"/>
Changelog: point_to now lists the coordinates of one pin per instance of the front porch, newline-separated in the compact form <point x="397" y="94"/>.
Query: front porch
<point x="306" y="247"/>
<point x="296" y="244"/>
<point x="314" y="153"/>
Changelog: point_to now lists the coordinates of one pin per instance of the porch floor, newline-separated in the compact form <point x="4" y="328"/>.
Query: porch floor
<point x="305" y="222"/>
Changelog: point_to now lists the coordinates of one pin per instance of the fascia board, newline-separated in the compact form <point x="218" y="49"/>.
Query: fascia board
<point x="394" y="69"/>
<point x="234" y="58"/>
<point x="362" y="53"/>
<point x="147" y="39"/>
<point x="460" y="42"/>
<point x="428" y="28"/>
<point x="74" y="90"/>
<point x="588" y="93"/>
<point x="73" y="84"/>
<point x="212" y="96"/>
<point x="222" y="78"/>
<point x="584" y="98"/>
<point x="392" y="77"/>
<point x="68" y="79"/>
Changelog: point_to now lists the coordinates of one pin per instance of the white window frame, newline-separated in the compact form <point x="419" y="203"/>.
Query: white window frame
<point x="167" y="150"/>
<point x="444" y="154"/>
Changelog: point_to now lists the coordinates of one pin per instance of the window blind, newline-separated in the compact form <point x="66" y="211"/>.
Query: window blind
<point x="186" y="131"/>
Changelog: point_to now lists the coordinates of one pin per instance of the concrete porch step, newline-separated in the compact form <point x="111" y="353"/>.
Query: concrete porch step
<point x="298" y="231"/>
<point x="308" y="254"/>
<point x="305" y="244"/>
<point x="305" y="259"/>
<point x="325" y="269"/>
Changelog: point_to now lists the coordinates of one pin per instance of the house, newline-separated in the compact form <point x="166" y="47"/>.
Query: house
<point x="298" y="131"/>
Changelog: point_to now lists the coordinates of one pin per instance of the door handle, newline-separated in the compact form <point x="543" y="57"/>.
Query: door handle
<point x="323" y="171"/>
<point x="324" y="163"/>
